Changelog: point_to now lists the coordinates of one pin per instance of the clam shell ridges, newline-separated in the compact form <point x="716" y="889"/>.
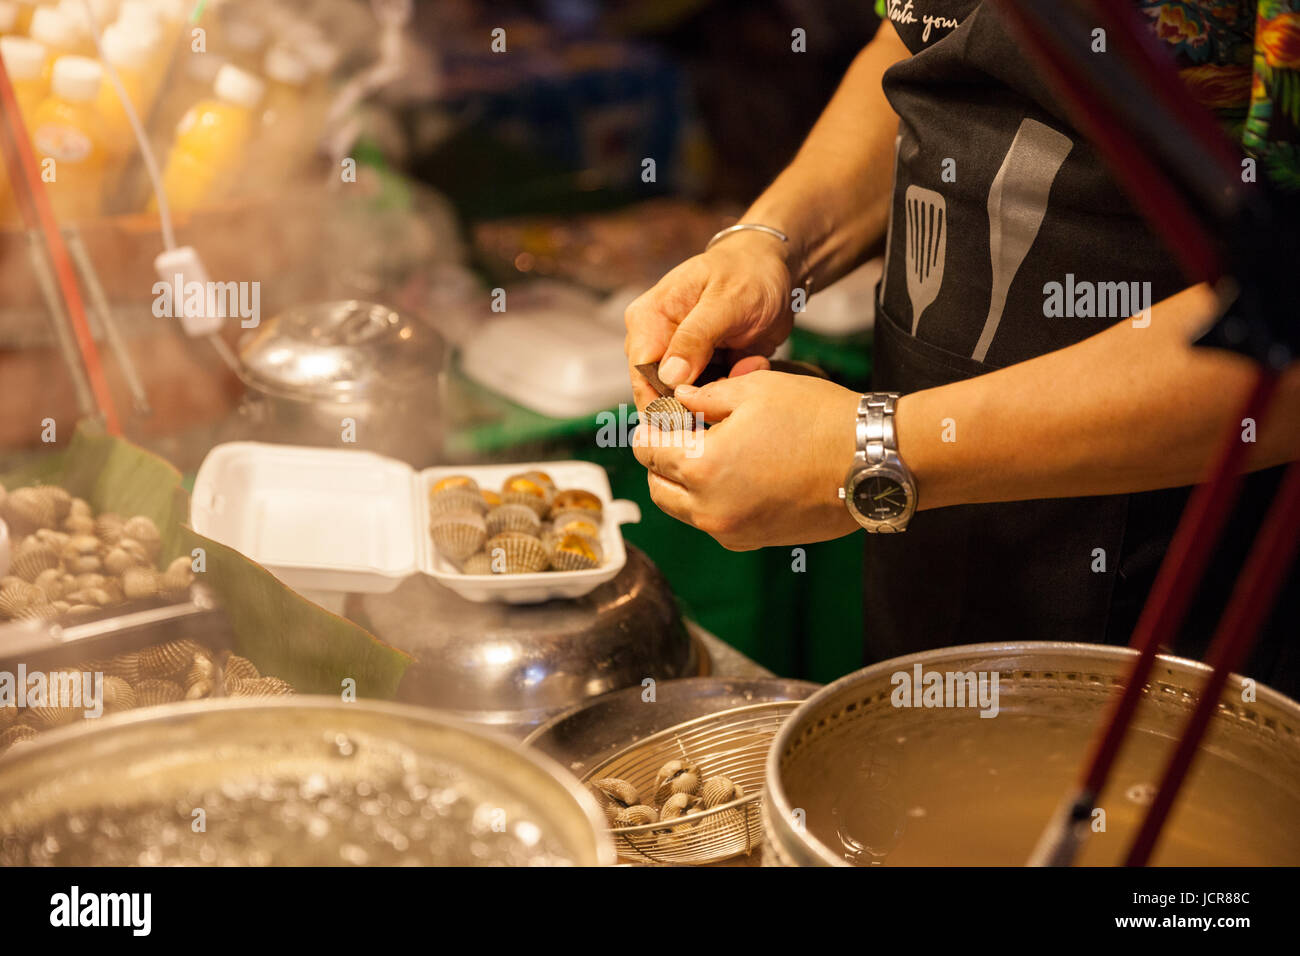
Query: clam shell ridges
<point x="568" y="554"/>
<point x="523" y="554"/>
<point x="26" y="510"/>
<point x="125" y="666"/>
<point x="258" y="687"/>
<point x="241" y="668"/>
<point x="457" y="535"/>
<point x="576" y="499"/>
<point x="118" y="694"/>
<point x="456" y="500"/>
<point x="620" y="792"/>
<point x="577" y="522"/>
<point x="477" y="563"/>
<point x="669" y="415"/>
<point x="151" y="692"/>
<point x="54" y="716"/>
<point x="33" y="558"/>
<point x="16" y="734"/>
<point x="719" y="790"/>
<point x="635" y="816"/>
<point x="171" y="658"/>
<point x="513" y="518"/>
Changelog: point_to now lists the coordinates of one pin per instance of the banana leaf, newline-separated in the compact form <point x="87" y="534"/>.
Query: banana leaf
<point x="277" y="629"/>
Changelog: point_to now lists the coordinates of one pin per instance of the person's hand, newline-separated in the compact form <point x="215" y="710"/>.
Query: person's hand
<point x="769" y="471"/>
<point x="735" y="296"/>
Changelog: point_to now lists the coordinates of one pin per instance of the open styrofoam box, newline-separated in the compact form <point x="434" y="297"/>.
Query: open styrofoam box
<point x="325" y="519"/>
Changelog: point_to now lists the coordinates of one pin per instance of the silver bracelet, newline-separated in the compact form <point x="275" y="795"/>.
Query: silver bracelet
<point x="741" y="227"/>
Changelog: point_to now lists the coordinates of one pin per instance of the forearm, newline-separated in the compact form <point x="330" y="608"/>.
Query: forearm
<point x="1129" y="409"/>
<point x="833" y="199"/>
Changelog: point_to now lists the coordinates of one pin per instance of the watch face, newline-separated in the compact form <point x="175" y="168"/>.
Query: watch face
<point x="880" y="498"/>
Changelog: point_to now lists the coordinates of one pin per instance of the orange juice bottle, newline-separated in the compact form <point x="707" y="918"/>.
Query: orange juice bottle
<point x="129" y="58"/>
<point x="66" y="129"/>
<point x="23" y="59"/>
<point x="284" y="139"/>
<point x="208" y="152"/>
<point x="58" y="34"/>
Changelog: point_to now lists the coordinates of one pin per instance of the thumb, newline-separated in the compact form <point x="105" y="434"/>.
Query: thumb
<point x="691" y="346"/>
<point x="716" y="400"/>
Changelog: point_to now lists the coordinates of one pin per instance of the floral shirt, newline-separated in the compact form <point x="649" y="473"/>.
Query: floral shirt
<point x="1241" y="59"/>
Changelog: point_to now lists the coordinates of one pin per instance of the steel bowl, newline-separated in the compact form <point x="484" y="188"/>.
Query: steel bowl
<point x="295" y="781"/>
<point x="854" y="777"/>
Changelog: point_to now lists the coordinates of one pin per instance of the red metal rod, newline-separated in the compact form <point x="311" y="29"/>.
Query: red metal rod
<point x="1198" y="529"/>
<point x="37" y="213"/>
<point x="1252" y="598"/>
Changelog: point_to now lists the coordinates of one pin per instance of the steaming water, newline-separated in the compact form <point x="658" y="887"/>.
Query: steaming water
<point x="412" y="811"/>
<point x="934" y="787"/>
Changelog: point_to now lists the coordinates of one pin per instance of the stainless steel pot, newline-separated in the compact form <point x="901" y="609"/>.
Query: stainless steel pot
<point x="296" y="781"/>
<point x="853" y="778"/>
<point x="346" y="372"/>
<point x="514" y="666"/>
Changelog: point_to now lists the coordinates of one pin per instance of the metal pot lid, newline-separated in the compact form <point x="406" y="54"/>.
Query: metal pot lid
<point x="338" y="350"/>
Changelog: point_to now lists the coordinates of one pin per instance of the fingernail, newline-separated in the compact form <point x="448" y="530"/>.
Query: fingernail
<point x="686" y="391"/>
<point x="673" y="370"/>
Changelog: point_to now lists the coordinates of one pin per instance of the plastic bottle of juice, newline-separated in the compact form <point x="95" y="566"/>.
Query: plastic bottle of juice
<point x="208" y="152"/>
<point x="52" y="29"/>
<point x="129" y="57"/>
<point x="66" y="129"/>
<point x="23" y="59"/>
<point x="284" y="140"/>
<point x="75" y="10"/>
<point x="146" y="32"/>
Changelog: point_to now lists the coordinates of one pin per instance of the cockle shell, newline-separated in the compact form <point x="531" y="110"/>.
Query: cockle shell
<point x="80" y="546"/>
<point x="17" y="597"/>
<point x="125" y="666"/>
<point x="490" y="498"/>
<point x="118" y="694"/>
<point x="79" y="524"/>
<point x="669" y="415"/>
<point x="137" y="551"/>
<point x="168" y="659"/>
<point x="240" y="668"/>
<point x="453" y="483"/>
<point x="55" y="539"/>
<point x="479" y="562"/>
<point x="80" y="508"/>
<point x="59" y="500"/>
<point x="670" y="772"/>
<point x="199" y="690"/>
<point x="152" y="691"/>
<point x="98" y="597"/>
<point x="31" y="558"/>
<point x="528" y="490"/>
<point x="80" y="582"/>
<point x="139" y="583"/>
<point x="456" y="501"/>
<point x="522" y="553"/>
<point x="142" y="529"/>
<point x="458" y="534"/>
<point x="11" y="580"/>
<point x="118" y="561"/>
<point x="576" y="499"/>
<point x="575" y="552"/>
<point x="619" y="795"/>
<point x="27" y="510"/>
<point x="51" y="582"/>
<point x="719" y="790"/>
<point x="258" y="687"/>
<point x="577" y="522"/>
<point x="635" y="816"/>
<point x="541" y="477"/>
<point x="108" y="527"/>
<point x="17" y="734"/>
<point x="178" y="577"/>
<point x="203" y="669"/>
<point x="53" y="716"/>
<point x="37" y="612"/>
<point x="680" y="805"/>
<point x="513" y="518"/>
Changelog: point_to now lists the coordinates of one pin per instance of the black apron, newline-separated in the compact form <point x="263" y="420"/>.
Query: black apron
<point x="995" y="197"/>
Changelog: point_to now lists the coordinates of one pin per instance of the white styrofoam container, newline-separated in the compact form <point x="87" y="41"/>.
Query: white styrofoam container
<point x="327" y="519"/>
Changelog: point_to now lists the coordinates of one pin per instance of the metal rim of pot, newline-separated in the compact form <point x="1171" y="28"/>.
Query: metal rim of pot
<point x="776" y="809"/>
<point x="66" y="737"/>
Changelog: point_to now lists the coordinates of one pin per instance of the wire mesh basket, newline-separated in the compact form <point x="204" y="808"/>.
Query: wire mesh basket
<point x="732" y="744"/>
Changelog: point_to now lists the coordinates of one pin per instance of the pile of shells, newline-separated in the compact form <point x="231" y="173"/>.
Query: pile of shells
<point x="679" y="791"/>
<point x="66" y="561"/>
<point x="527" y="526"/>
<point x="161" y="674"/>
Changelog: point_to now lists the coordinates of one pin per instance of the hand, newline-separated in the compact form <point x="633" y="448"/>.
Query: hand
<point x="769" y="472"/>
<point x="736" y="296"/>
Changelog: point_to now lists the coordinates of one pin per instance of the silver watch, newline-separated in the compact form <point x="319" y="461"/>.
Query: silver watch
<point x="879" y="490"/>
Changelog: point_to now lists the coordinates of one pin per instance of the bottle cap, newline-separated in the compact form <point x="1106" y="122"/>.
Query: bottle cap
<point x="124" y="46"/>
<point x="53" y="27"/>
<point x="76" y="78"/>
<point x="23" y="57"/>
<point x="284" y="66"/>
<point x="238" y="86"/>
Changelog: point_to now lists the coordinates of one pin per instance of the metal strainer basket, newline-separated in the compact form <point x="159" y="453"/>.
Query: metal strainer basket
<point x="732" y="743"/>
